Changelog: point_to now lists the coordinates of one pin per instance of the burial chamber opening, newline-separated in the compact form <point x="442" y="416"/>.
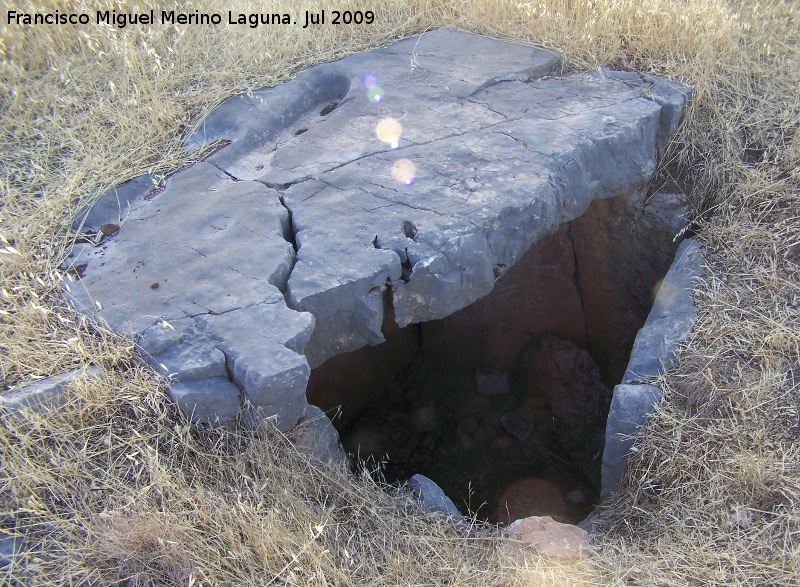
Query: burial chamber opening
<point x="504" y="403"/>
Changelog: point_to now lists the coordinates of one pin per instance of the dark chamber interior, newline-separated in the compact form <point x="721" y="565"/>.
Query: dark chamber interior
<point x="504" y="403"/>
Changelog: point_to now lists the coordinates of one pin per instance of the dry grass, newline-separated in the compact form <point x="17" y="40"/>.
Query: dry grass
<point x="714" y="493"/>
<point x="117" y="490"/>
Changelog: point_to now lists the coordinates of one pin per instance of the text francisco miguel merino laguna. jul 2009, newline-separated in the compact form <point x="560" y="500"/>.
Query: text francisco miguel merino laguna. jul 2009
<point x="172" y="17"/>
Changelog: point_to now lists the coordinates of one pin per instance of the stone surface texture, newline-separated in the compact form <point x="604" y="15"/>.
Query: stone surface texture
<point x="671" y="319"/>
<point x="316" y="436"/>
<point x="46" y="394"/>
<point x="543" y="537"/>
<point x="278" y="251"/>
<point x="432" y="497"/>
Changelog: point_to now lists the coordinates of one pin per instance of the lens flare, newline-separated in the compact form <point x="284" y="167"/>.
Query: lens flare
<point x="369" y="81"/>
<point x="403" y="171"/>
<point x="375" y="94"/>
<point x="389" y="131"/>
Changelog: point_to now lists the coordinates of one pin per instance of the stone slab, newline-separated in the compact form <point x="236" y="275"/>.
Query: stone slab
<point x="423" y="169"/>
<point x="45" y="394"/>
<point x="669" y="323"/>
<point x="629" y="409"/>
<point x="207" y="246"/>
<point x="671" y="318"/>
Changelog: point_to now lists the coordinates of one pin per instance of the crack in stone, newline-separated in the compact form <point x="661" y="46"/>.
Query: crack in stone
<point x="210" y="312"/>
<point x="521" y="142"/>
<point x="576" y="277"/>
<point x="190" y="247"/>
<point x="243" y="274"/>
<point x="583" y="111"/>
<point x="318" y="191"/>
<point x="407" y="205"/>
<point x="233" y="177"/>
<point x="482" y="129"/>
<point x="489" y="108"/>
<point x="291" y="237"/>
<point x="316" y="177"/>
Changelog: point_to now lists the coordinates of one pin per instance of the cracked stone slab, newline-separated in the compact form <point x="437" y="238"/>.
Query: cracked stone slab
<point x="206" y="246"/>
<point x="501" y="154"/>
<point x="276" y="251"/>
<point x="263" y="346"/>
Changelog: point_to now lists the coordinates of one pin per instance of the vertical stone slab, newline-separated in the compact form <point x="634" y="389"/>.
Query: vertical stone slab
<point x="670" y="321"/>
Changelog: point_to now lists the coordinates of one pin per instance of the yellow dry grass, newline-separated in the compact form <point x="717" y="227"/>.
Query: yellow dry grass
<point x="114" y="488"/>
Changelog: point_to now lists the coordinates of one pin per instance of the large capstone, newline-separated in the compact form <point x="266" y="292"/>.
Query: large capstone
<point x="389" y="188"/>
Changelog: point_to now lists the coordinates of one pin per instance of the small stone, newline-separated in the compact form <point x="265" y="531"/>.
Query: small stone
<point x="432" y="497"/>
<point x="545" y="537"/>
<point x="519" y="423"/>
<point x="316" y="437"/>
<point x="109" y="229"/>
<point x="492" y="383"/>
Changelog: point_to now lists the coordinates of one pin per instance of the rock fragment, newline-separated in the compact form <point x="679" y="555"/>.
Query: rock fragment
<point x="542" y="536"/>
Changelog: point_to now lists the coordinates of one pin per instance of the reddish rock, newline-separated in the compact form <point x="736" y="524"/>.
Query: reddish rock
<point x="545" y="537"/>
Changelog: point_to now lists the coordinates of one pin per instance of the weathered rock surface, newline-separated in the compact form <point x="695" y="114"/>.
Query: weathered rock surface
<point x="196" y="276"/>
<point x="498" y="164"/>
<point x="46" y="394"/>
<point x="432" y="497"/>
<point x="113" y="206"/>
<point x="316" y="437"/>
<point x="542" y="536"/>
<point x="276" y="252"/>
<point x="671" y="319"/>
